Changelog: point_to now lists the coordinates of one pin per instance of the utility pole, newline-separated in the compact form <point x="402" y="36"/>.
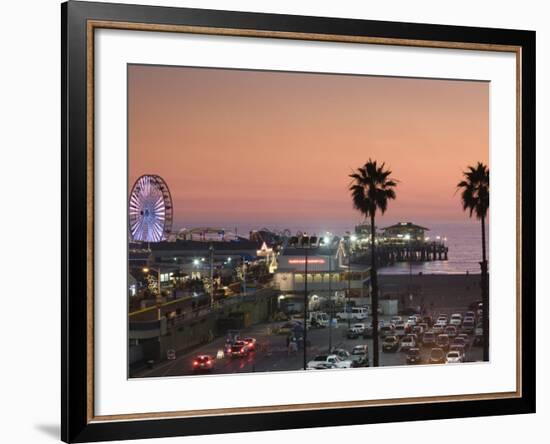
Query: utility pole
<point x="305" y="309"/>
<point x="211" y="251"/>
<point x="349" y="285"/>
<point x="331" y="309"/>
<point x="243" y="263"/>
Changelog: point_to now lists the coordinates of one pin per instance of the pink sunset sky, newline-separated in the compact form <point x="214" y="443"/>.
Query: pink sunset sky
<point x="258" y="148"/>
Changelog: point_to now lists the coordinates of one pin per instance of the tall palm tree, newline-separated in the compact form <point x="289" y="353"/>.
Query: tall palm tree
<point x="475" y="198"/>
<point x="371" y="189"/>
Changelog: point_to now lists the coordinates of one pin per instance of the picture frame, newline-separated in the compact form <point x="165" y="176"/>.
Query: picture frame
<point x="80" y="21"/>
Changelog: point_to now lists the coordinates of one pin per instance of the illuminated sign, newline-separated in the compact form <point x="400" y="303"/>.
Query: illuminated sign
<point x="303" y="261"/>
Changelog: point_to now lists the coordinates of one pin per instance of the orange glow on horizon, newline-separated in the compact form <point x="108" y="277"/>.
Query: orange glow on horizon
<point x="241" y="148"/>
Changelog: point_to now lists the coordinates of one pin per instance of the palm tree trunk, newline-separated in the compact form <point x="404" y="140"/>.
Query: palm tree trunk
<point x="485" y="293"/>
<point x="374" y="294"/>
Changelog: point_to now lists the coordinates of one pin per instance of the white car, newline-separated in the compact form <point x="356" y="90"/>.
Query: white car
<point x="327" y="361"/>
<point x="412" y="320"/>
<point x="456" y="319"/>
<point x="396" y="320"/>
<point x="400" y="330"/>
<point x="408" y="342"/>
<point x="442" y="320"/>
<point x="454" y="357"/>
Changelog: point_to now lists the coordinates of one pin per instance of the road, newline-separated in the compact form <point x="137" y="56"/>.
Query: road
<point x="272" y="353"/>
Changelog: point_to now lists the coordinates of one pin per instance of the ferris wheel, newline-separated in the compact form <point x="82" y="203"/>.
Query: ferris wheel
<point x="150" y="209"/>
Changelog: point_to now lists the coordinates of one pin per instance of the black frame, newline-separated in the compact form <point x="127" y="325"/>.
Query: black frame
<point x="75" y="426"/>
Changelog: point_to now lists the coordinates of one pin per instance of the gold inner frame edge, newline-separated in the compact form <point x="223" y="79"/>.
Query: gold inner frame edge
<point x="92" y="25"/>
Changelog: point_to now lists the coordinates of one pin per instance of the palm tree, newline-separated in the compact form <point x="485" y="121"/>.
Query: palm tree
<point x="475" y="198"/>
<point x="371" y="189"/>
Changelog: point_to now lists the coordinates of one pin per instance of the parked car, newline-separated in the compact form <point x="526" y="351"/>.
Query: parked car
<point x="437" y="356"/>
<point x="428" y="339"/>
<point x="203" y="363"/>
<point x="353" y="313"/>
<point x="459" y="340"/>
<point x="468" y="326"/>
<point x="400" y="330"/>
<point x="414" y="356"/>
<point x="451" y="331"/>
<point x="456" y="319"/>
<point x="424" y="325"/>
<point x="390" y="344"/>
<point x="438" y="328"/>
<point x="470" y="314"/>
<point x="454" y="357"/>
<point x="465" y="337"/>
<point x="442" y="341"/>
<point x="387" y="330"/>
<point x="362" y="348"/>
<point x="342" y="354"/>
<point x="360" y="356"/>
<point x="442" y="319"/>
<point x="289" y="327"/>
<point x="428" y="320"/>
<point x="354" y="332"/>
<point x="328" y="361"/>
<point x="396" y="320"/>
<point x="367" y="332"/>
<point x="459" y="348"/>
<point x="407" y="342"/>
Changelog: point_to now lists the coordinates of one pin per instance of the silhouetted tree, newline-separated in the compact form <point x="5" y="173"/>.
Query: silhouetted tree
<point x="475" y="199"/>
<point x="371" y="189"/>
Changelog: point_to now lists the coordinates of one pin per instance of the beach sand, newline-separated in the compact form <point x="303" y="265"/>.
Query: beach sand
<point x="437" y="291"/>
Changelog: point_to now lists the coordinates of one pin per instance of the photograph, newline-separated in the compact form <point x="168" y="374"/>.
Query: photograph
<point x="285" y="221"/>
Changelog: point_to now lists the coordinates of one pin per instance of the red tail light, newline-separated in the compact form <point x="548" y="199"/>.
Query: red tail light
<point x="195" y="363"/>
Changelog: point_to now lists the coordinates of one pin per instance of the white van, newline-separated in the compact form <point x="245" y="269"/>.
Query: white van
<point x="359" y="313"/>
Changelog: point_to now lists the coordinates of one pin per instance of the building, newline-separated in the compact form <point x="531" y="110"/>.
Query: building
<point x="328" y="275"/>
<point x="404" y="231"/>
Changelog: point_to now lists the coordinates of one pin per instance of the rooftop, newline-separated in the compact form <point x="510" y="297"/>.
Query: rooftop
<point x="407" y="225"/>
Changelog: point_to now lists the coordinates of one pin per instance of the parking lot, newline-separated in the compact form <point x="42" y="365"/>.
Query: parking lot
<point x="272" y="352"/>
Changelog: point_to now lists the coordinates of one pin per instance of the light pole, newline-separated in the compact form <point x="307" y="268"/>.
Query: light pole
<point x="408" y="238"/>
<point x="243" y="263"/>
<point x="349" y="282"/>
<point x="330" y="301"/>
<point x="211" y="251"/>
<point x="305" y="306"/>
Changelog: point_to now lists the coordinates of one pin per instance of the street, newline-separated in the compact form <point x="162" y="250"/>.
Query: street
<point x="272" y="354"/>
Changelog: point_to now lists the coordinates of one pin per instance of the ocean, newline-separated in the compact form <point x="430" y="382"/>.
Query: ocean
<point x="464" y="242"/>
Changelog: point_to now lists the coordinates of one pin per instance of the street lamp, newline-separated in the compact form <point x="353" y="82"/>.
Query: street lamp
<point x="408" y="239"/>
<point x="331" y="309"/>
<point x="211" y="251"/>
<point x="305" y="246"/>
<point x="349" y="284"/>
